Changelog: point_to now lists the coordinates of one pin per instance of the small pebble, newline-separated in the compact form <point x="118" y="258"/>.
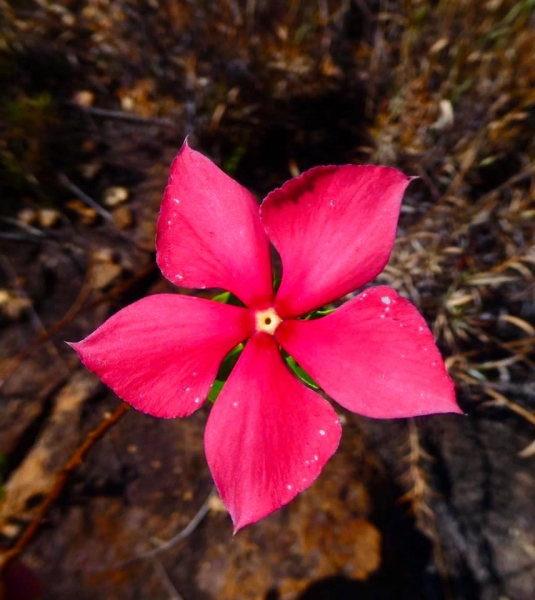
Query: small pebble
<point x="48" y="217"/>
<point x="84" y="98"/>
<point x="27" y="216"/>
<point x="115" y="195"/>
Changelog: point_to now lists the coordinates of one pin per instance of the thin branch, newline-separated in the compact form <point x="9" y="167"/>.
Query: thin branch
<point x="73" y="312"/>
<point x="45" y="336"/>
<point x="166" y="581"/>
<point x="184" y="533"/>
<point x="63" y="475"/>
<point x="34" y="316"/>
<point x="72" y="187"/>
<point x="122" y="115"/>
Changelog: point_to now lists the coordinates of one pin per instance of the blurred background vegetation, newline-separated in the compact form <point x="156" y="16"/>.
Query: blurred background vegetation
<point x="97" y="96"/>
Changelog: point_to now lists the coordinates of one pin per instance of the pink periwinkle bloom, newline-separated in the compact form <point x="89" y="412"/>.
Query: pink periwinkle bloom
<point x="268" y="435"/>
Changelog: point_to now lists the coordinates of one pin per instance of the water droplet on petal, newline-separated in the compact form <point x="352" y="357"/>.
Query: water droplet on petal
<point x="385" y="300"/>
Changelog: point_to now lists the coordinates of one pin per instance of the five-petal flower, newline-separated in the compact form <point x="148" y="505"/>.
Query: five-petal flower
<point x="268" y="435"/>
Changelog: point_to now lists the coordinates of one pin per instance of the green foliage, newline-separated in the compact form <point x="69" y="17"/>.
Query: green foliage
<point x="26" y="121"/>
<point x="232" y="163"/>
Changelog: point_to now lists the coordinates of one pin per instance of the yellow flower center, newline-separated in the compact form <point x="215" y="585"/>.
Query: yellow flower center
<point x="267" y="321"/>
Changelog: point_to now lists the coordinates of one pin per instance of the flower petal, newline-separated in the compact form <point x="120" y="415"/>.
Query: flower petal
<point x="161" y="354"/>
<point x="209" y="232"/>
<point x="334" y="229"/>
<point x="374" y="355"/>
<point x="268" y="436"/>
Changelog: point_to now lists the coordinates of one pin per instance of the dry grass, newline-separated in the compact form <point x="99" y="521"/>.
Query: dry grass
<point x="461" y="116"/>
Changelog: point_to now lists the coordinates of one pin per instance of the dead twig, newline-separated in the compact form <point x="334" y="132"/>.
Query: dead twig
<point x="72" y="187"/>
<point x="122" y="115"/>
<point x="63" y="475"/>
<point x="184" y="533"/>
<point x="72" y="313"/>
<point x="418" y="496"/>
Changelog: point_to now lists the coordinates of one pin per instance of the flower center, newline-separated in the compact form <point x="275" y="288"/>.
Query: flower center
<point x="267" y="320"/>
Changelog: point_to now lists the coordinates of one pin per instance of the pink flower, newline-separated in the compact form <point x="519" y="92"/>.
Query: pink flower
<point x="268" y="436"/>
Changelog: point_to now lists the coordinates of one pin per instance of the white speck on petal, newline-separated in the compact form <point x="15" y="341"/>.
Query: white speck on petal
<point x="197" y="400"/>
<point x="316" y="457"/>
<point x="382" y="316"/>
<point x="179" y="276"/>
<point x="420" y="328"/>
<point x="331" y="202"/>
<point x="289" y="486"/>
<point x="176" y="200"/>
<point x="235" y="404"/>
<point x="385" y="300"/>
<point x="187" y="389"/>
<point x="322" y="432"/>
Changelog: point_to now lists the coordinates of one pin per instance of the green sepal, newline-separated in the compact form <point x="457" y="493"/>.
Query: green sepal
<point x="224" y="371"/>
<point x="300" y="373"/>
<point x="223" y="297"/>
<point x="228" y="363"/>
<point x="317" y="314"/>
<point x="227" y="298"/>
<point x="216" y="388"/>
